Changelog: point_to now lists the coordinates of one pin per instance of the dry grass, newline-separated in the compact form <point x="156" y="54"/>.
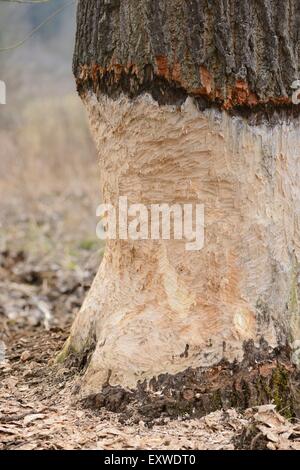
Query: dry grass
<point x="49" y="184"/>
<point x="48" y="149"/>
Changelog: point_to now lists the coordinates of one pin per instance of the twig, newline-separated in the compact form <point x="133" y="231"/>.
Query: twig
<point x="35" y="30"/>
<point x="9" y="419"/>
<point x="25" y="1"/>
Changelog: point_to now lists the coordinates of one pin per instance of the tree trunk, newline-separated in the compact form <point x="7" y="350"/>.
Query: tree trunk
<point x="190" y="102"/>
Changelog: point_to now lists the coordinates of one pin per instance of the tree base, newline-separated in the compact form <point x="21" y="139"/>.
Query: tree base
<point x="260" y="379"/>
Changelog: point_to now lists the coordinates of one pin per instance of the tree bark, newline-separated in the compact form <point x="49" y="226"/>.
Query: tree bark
<point x="231" y="52"/>
<point x="190" y="102"/>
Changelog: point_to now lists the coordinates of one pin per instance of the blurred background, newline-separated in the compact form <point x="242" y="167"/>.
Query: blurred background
<point x="44" y="134"/>
<point x="49" y="187"/>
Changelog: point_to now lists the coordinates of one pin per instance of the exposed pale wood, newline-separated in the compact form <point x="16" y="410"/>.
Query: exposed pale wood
<point x="151" y="299"/>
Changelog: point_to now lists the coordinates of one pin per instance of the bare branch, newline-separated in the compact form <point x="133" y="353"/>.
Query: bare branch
<point x="49" y="18"/>
<point x="25" y="1"/>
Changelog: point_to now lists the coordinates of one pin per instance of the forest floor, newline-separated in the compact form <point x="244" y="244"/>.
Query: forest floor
<point x="48" y="259"/>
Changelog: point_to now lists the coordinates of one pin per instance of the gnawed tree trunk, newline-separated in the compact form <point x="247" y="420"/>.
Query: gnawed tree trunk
<point x="190" y="102"/>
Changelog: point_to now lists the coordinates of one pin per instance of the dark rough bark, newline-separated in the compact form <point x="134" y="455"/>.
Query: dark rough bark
<point x="231" y="52"/>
